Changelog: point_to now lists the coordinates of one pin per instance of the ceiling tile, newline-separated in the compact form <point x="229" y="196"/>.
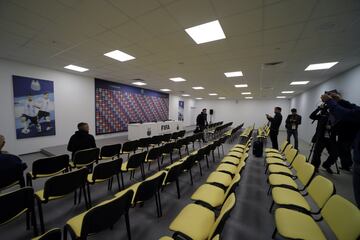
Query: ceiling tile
<point x="232" y="7"/>
<point x="135" y="8"/>
<point x="239" y="24"/>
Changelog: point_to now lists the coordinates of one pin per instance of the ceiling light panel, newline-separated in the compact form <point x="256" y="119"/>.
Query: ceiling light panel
<point x="119" y="55"/>
<point x="206" y="32"/>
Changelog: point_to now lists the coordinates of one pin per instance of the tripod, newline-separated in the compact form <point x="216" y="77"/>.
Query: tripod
<point x="311" y="153"/>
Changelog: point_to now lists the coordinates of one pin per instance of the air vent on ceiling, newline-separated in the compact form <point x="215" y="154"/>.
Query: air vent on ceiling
<point x="138" y="80"/>
<point x="273" y="65"/>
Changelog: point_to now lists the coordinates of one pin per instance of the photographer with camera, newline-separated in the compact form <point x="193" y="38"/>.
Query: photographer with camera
<point x="292" y="122"/>
<point x="324" y="138"/>
<point x="347" y="115"/>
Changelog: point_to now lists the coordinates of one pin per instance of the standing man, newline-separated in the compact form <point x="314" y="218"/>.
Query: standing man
<point x="201" y="122"/>
<point x="81" y="139"/>
<point x="348" y="115"/>
<point x="274" y="126"/>
<point x="324" y="138"/>
<point x="11" y="167"/>
<point x="292" y="122"/>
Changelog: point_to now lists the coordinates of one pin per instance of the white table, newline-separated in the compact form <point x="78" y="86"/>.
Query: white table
<point x="142" y="130"/>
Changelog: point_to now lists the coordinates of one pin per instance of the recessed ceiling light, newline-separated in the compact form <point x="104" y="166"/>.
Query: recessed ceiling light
<point x="198" y="98"/>
<point x="165" y="90"/>
<point x="320" y="66"/>
<point x="299" y="83"/>
<point x="234" y="74"/>
<point x="177" y="79"/>
<point x="245" y="93"/>
<point x="241" y="85"/>
<point x="221" y="98"/>
<point x="206" y="32"/>
<point x="287" y="92"/>
<point x="197" y="88"/>
<point x="139" y="83"/>
<point x="76" y="68"/>
<point x="213" y="94"/>
<point x="248" y="97"/>
<point x="119" y="55"/>
<point x="281" y="97"/>
<point x="185" y="95"/>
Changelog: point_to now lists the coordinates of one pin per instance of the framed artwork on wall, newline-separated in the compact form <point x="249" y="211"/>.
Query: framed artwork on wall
<point x="34" y="107"/>
<point x="181" y="111"/>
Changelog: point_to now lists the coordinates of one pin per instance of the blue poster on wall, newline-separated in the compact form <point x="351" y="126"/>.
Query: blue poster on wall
<point x="34" y="107"/>
<point x="181" y="111"/>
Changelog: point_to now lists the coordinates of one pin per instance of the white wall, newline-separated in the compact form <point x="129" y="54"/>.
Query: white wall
<point x="348" y="84"/>
<point x="174" y="106"/>
<point x="74" y="102"/>
<point x="247" y="111"/>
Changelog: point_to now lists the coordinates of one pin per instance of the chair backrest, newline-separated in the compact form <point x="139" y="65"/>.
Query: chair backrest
<point x="189" y="162"/>
<point x="52" y="234"/>
<point x="182" y="133"/>
<point x="110" y="150"/>
<point x="106" y="214"/>
<point x="320" y="189"/>
<point x="288" y="148"/>
<point x="154" y="153"/>
<point x="343" y="217"/>
<point x="86" y="157"/>
<point x="219" y="224"/>
<point x="241" y="166"/>
<point x="60" y="185"/>
<point x="299" y="160"/>
<point x="136" y="160"/>
<point x="50" y="165"/>
<point x="233" y="185"/>
<point x="13" y="204"/>
<point x="166" y="137"/>
<point x="306" y="173"/>
<point x="130" y="146"/>
<point x="175" y="135"/>
<point x="106" y="170"/>
<point x="149" y="187"/>
<point x="168" y="147"/>
<point x="144" y="142"/>
<point x="156" y="139"/>
<point x="173" y="172"/>
<point x="283" y="146"/>
<point x="290" y="155"/>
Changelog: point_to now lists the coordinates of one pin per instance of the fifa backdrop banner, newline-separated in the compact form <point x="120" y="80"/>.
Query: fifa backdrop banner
<point x="117" y="105"/>
<point x="34" y="107"/>
<point x="181" y="111"/>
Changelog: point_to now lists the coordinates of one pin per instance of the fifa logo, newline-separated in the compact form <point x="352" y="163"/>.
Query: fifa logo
<point x="165" y="127"/>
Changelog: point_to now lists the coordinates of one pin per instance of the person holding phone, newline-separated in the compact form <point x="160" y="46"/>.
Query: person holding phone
<point x="275" y="123"/>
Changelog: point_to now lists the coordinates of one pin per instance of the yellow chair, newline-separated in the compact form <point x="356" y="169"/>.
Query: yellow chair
<point x="305" y="174"/>
<point x="289" y="158"/>
<point x="339" y="214"/>
<point x="282" y="147"/>
<point x="100" y="217"/>
<point x="52" y="234"/>
<point x="198" y="222"/>
<point x="224" y="179"/>
<point x="230" y="168"/>
<point x="279" y="154"/>
<point x="235" y="160"/>
<point x="217" y="237"/>
<point x="214" y="196"/>
<point x="299" y="160"/>
<point x="320" y="190"/>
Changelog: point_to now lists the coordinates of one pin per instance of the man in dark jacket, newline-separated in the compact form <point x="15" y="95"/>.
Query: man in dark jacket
<point x="348" y="115"/>
<point x="81" y="139"/>
<point x="275" y="123"/>
<point x="11" y="167"/>
<point x="201" y="122"/>
<point x="324" y="138"/>
<point x="292" y="122"/>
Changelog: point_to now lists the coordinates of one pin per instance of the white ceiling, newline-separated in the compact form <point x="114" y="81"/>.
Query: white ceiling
<point x="55" y="33"/>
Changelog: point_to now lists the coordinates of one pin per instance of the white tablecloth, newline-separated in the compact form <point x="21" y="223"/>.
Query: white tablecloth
<point x="141" y="130"/>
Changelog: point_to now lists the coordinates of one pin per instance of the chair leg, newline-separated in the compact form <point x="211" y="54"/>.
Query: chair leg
<point x="75" y="197"/>
<point x="178" y="188"/>
<point x="191" y="177"/>
<point x="33" y="220"/>
<point x="207" y="161"/>
<point x="200" y="168"/>
<point x="218" y="152"/>
<point x="159" y="199"/>
<point x="127" y="221"/>
<point x="118" y="181"/>
<point x="88" y="199"/>
<point x="122" y="180"/>
<point x="274" y="233"/>
<point x="213" y="156"/>
<point x="65" y="233"/>
<point x="222" y="146"/>
<point x="41" y="217"/>
<point x="27" y="220"/>
<point x="158" y="162"/>
<point x="271" y="206"/>
<point x="157" y="205"/>
<point x="269" y="190"/>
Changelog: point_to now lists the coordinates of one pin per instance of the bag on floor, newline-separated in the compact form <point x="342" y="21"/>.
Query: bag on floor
<point x="258" y="148"/>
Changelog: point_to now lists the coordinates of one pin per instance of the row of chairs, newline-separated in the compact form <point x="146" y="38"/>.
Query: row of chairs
<point x="291" y="179"/>
<point x="199" y="220"/>
<point x="218" y="130"/>
<point x="233" y="133"/>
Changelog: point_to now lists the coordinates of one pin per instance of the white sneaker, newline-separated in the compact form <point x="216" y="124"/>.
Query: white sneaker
<point x="48" y="128"/>
<point x="25" y="130"/>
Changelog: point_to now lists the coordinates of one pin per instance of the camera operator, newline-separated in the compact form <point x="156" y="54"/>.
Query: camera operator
<point x="351" y="114"/>
<point x="324" y="138"/>
<point x="293" y="120"/>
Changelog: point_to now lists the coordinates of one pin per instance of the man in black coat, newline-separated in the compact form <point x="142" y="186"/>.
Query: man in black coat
<point x="324" y="138"/>
<point x="292" y="122"/>
<point x="81" y="139"/>
<point x="275" y="123"/>
<point x="201" y="122"/>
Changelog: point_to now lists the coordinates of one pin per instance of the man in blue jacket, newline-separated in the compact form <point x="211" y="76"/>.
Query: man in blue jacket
<point x="350" y="115"/>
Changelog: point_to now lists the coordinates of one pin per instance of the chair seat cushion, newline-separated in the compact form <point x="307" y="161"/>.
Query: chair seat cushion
<point x="295" y="225"/>
<point x="282" y="180"/>
<point x="219" y="177"/>
<point x="194" y="221"/>
<point x="274" y="155"/>
<point x="275" y="161"/>
<point x="267" y="150"/>
<point x="210" y="194"/>
<point x="284" y="196"/>
<point x="230" y="159"/>
<point x="226" y="167"/>
<point x="281" y="169"/>
<point x="235" y="154"/>
<point x="40" y="195"/>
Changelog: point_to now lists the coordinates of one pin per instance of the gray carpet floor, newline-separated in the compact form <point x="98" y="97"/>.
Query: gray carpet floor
<point x="250" y="218"/>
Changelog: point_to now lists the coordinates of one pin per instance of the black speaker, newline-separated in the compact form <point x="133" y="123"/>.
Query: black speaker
<point x="211" y="111"/>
